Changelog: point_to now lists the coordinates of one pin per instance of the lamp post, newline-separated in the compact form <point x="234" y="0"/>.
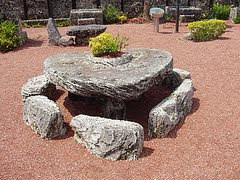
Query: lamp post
<point x="177" y="16"/>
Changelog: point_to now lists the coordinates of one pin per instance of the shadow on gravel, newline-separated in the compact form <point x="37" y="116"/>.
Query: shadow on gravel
<point x="30" y="43"/>
<point x="147" y="152"/>
<point x="57" y="94"/>
<point x="195" y="107"/>
<point x="224" y="38"/>
<point x="70" y="133"/>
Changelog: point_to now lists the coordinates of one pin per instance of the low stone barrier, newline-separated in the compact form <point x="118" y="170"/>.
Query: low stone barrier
<point x="109" y="139"/>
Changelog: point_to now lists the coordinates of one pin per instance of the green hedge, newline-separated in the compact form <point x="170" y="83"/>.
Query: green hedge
<point x="9" y="37"/>
<point x="207" y="30"/>
<point x="220" y="11"/>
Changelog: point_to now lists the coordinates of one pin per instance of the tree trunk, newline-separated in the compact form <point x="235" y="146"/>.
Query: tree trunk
<point x="146" y="10"/>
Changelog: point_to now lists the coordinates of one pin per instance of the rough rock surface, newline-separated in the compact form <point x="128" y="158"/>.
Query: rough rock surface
<point x="37" y="86"/>
<point x="54" y="37"/>
<point x="44" y="117"/>
<point x="123" y="78"/>
<point x="176" y="77"/>
<point x="86" y="21"/>
<point x="86" y="30"/>
<point x="76" y="14"/>
<point x="166" y="115"/>
<point x="133" y="8"/>
<point x="110" y="139"/>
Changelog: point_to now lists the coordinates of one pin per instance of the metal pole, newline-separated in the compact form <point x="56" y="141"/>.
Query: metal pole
<point x="177" y="16"/>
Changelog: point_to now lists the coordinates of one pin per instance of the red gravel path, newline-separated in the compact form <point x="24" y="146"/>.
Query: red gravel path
<point x="206" y="146"/>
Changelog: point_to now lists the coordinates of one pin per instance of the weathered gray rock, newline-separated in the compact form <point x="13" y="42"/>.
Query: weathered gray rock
<point x="76" y="14"/>
<point x="54" y="37"/>
<point x="86" y="21"/>
<point x="53" y="33"/>
<point x="122" y="78"/>
<point x="44" y="117"/>
<point x="188" y="36"/>
<point x="86" y="30"/>
<point x="166" y="115"/>
<point x="66" y="41"/>
<point x="176" y="77"/>
<point x="39" y="85"/>
<point x="109" y="139"/>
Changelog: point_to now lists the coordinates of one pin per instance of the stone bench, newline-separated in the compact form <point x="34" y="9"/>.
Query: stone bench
<point x="109" y="139"/>
<point x="86" y="21"/>
<point x="168" y="113"/>
<point x="76" y="14"/>
<point x="44" y="117"/>
<point x="85" y="32"/>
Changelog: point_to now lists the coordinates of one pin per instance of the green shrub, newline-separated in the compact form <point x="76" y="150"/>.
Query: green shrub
<point x="122" y="19"/>
<point x="237" y="20"/>
<point x="9" y="38"/>
<point x="207" y="30"/>
<point x="63" y="23"/>
<point x="220" y="11"/>
<point x="33" y="24"/>
<point x="106" y="44"/>
<point x="111" y="14"/>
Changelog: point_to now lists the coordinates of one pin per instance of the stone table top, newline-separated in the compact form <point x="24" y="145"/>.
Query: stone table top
<point x="122" y="78"/>
<point x="92" y="30"/>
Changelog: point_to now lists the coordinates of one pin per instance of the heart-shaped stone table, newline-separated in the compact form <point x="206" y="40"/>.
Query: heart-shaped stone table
<point x="116" y="79"/>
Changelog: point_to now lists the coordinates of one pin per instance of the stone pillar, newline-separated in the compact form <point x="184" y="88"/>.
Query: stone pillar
<point x="114" y="109"/>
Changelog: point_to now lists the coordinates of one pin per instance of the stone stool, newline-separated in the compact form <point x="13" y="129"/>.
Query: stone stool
<point x="109" y="139"/>
<point x="85" y="32"/>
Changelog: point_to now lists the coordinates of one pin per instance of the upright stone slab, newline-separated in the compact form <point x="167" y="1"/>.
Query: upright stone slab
<point x="109" y="139"/>
<point x="54" y="37"/>
<point x="39" y="85"/>
<point x="44" y="117"/>
<point x="166" y="115"/>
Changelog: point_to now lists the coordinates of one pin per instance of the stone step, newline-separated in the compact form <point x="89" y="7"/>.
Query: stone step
<point x="86" y="21"/>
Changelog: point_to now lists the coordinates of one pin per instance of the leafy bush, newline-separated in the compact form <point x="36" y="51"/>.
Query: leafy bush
<point x="105" y="44"/>
<point x="122" y="19"/>
<point x="63" y="23"/>
<point x="33" y="24"/>
<point x="207" y="30"/>
<point x="111" y="14"/>
<point x="237" y="20"/>
<point x="220" y="11"/>
<point x="9" y="37"/>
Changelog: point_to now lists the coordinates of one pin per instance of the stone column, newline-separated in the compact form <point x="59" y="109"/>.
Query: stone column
<point x="114" y="109"/>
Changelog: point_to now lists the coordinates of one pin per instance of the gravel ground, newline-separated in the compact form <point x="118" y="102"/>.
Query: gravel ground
<point x="205" y="146"/>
